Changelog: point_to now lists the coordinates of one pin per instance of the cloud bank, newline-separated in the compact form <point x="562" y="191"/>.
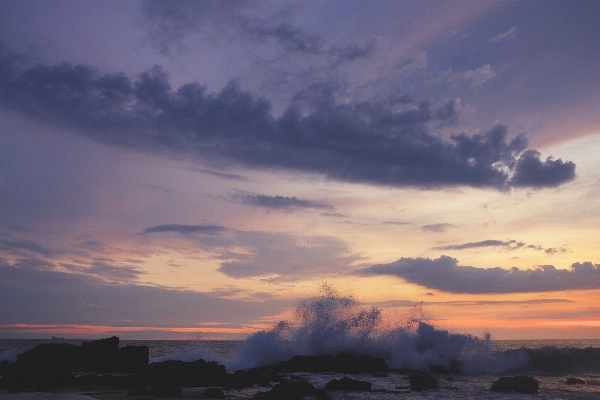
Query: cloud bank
<point x="445" y="274"/>
<point x="380" y="142"/>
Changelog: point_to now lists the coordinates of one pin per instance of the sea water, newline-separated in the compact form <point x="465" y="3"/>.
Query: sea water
<point x="331" y="323"/>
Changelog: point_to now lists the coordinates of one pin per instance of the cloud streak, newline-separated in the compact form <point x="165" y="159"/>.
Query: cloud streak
<point x="281" y="202"/>
<point x="372" y="142"/>
<point x="445" y="274"/>
<point x="185" y="229"/>
<point x="504" y="244"/>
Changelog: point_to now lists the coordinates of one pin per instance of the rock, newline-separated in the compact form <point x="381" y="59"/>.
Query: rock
<point x="519" y="384"/>
<point x="322" y="363"/>
<point x="321" y="394"/>
<point x="575" y="381"/>
<point x="349" y="363"/>
<point x="273" y="396"/>
<point x="139" y="391"/>
<point x="164" y="389"/>
<point x="348" y="385"/>
<point x="191" y="374"/>
<point x="294" y="387"/>
<point x="212" y="393"/>
<point x="422" y="381"/>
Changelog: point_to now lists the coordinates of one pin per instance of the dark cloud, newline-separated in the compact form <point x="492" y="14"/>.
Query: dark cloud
<point x="530" y="171"/>
<point x="20" y="246"/>
<point x="281" y="202"/>
<point x="446" y="275"/>
<point x="373" y="142"/>
<point x="436" y="227"/>
<point x="185" y="229"/>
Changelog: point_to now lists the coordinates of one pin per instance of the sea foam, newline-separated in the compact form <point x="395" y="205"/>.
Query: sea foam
<point x="333" y="323"/>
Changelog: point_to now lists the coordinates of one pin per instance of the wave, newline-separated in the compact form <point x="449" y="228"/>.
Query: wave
<point x="332" y="323"/>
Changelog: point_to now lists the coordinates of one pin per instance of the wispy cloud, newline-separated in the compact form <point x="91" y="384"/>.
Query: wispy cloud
<point x="509" y="244"/>
<point x="185" y="229"/>
<point x="509" y="34"/>
<point x="281" y="202"/>
<point x="442" y="227"/>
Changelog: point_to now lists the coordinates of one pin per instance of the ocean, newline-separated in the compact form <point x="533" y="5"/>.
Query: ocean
<point x="333" y="324"/>
<point x="561" y="359"/>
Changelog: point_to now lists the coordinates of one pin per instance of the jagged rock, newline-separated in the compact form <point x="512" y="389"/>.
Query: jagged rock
<point x="422" y="381"/>
<point x="348" y="385"/>
<point x="520" y="384"/>
<point x="575" y="381"/>
<point x="321" y="394"/>
<point x="212" y="393"/>
<point x="139" y="391"/>
<point x="347" y="363"/>
<point x="191" y="374"/>
<point x="300" y="387"/>
<point x="350" y="363"/>
<point x="164" y="389"/>
<point x="322" y="363"/>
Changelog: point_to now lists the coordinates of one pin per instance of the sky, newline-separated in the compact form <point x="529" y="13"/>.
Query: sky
<point x="182" y="169"/>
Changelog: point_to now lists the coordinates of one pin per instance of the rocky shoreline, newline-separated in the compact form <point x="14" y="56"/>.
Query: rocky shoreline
<point x="126" y="370"/>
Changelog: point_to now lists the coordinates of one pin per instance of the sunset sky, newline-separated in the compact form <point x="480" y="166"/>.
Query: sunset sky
<point x="182" y="169"/>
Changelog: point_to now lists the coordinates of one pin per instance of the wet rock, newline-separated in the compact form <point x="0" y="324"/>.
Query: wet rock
<point x="164" y="389"/>
<point x="575" y="381"/>
<point x="322" y="363"/>
<point x="349" y="363"/>
<point x="422" y="381"/>
<point x="519" y="384"/>
<point x="348" y="385"/>
<point x="139" y="391"/>
<point x="191" y="374"/>
<point x="212" y="393"/>
<point x="292" y="387"/>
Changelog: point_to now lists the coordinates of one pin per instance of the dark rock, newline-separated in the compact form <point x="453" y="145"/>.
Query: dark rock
<point x="575" y="381"/>
<point x="349" y="363"/>
<point x="520" y="384"/>
<point x="191" y="374"/>
<point x="294" y="387"/>
<point x="164" y="389"/>
<point x="322" y="363"/>
<point x="274" y="396"/>
<point x="139" y="391"/>
<point x="212" y="393"/>
<point x="321" y="394"/>
<point x="422" y="381"/>
<point x="348" y="385"/>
